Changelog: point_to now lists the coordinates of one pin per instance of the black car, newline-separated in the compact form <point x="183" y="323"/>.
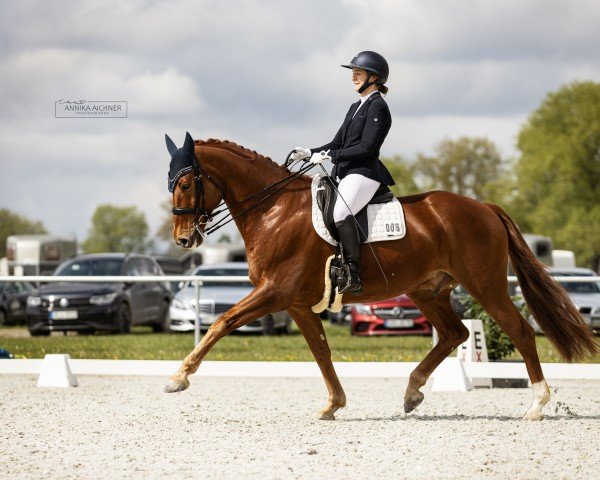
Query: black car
<point x="87" y="307"/>
<point x="13" y="300"/>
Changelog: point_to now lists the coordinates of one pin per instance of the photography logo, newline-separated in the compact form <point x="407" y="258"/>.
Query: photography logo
<point x="90" y="109"/>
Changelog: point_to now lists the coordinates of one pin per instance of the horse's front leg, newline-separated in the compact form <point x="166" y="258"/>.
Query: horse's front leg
<point x="311" y="326"/>
<point x="259" y="302"/>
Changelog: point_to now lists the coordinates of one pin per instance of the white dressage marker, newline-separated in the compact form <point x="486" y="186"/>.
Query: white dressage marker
<point x="56" y="372"/>
<point x="474" y="349"/>
<point x="450" y="376"/>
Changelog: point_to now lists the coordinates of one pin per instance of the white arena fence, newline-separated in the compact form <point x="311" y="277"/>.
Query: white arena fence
<point x="274" y="369"/>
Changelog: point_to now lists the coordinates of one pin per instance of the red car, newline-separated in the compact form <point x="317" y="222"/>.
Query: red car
<point x="396" y="316"/>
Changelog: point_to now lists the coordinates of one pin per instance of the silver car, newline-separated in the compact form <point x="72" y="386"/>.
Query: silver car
<point x="585" y="295"/>
<point x="218" y="297"/>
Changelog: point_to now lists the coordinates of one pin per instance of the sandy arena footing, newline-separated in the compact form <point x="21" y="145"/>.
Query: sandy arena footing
<point x="265" y="428"/>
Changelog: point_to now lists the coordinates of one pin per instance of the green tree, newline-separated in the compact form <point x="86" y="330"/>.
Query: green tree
<point x="117" y="229"/>
<point x="224" y="238"/>
<point x="165" y="231"/>
<point x="14" y="224"/>
<point x="469" y="166"/>
<point x="559" y="170"/>
<point x="403" y="174"/>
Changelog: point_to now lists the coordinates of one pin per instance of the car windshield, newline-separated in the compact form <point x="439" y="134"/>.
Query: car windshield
<point x="581" y="287"/>
<point x="91" y="267"/>
<point x="223" y="272"/>
<point x="577" y="287"/>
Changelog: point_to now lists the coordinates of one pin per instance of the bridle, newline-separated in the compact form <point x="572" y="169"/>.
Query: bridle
<point x="201" y="216"/>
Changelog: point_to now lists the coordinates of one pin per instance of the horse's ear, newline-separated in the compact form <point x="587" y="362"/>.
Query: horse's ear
<point x="188" y="145"/>
<point x="171" y="147"/>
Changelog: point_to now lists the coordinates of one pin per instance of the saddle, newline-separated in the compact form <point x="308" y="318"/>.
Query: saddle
<point x="327" y="196"/>
<point x="382" y="219"/>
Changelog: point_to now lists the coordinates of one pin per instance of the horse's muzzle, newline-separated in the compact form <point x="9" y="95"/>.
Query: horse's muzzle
<point x="189" y="241"/>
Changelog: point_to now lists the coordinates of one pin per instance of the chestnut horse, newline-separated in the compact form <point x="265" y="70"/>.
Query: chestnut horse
<point x="450" y="240"/>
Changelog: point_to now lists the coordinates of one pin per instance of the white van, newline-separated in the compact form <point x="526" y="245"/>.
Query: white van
<point x="38" y="254"/>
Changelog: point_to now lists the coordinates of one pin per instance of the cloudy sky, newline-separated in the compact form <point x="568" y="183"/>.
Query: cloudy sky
<point x="264" y="74"/>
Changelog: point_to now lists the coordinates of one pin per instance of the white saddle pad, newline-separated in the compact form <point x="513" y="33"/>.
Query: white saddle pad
<point x="386" y="220"/>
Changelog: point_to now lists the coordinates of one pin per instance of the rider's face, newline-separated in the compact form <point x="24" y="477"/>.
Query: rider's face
<point x="359" y="76"/>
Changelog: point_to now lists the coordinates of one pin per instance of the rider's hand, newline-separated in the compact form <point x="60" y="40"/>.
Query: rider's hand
<point x="320" y="157"/>
<point x="299" y="153"/>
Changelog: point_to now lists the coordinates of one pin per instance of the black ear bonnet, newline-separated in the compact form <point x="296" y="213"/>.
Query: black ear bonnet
<point x="183" y="160"/>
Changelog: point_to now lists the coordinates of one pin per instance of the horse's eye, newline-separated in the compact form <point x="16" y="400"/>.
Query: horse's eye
<point x="185" y="187"/>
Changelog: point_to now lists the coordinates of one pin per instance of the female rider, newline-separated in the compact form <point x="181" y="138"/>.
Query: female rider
<point x="354" y="152"/>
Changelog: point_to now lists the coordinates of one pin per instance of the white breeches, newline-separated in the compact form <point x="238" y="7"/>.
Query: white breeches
<point x="356" y="190"/>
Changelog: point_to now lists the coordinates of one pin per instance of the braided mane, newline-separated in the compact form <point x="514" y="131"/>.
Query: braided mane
<point x="239" y="150"/>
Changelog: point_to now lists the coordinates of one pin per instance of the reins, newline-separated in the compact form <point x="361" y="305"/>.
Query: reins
<point x="285" y="181"/>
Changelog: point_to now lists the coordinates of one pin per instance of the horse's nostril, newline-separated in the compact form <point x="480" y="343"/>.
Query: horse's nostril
<point x="183" y="242"/>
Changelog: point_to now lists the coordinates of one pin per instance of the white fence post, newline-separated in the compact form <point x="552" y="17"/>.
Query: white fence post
<point x="197" y="322"/>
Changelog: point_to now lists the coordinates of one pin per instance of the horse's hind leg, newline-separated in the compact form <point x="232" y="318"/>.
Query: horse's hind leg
<point x="452" y="333"/>
<point x="311" y="326"/>
<point x="504" y="312"/>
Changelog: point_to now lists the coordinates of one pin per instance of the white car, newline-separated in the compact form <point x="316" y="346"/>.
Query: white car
<point x="218" y="297"/>
<point x="585" y="295"/>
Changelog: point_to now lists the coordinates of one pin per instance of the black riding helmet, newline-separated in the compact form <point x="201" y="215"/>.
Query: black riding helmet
<point x="372" y="62"/>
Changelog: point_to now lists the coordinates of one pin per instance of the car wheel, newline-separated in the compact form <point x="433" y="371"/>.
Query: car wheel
<point x="164" y="320"/>
<point x="268" y="325"/>
<point x="39" y="334"/>
<point x="123" y="319"/>
<point x="2" y="318"/>
<point x="286" y="329"/>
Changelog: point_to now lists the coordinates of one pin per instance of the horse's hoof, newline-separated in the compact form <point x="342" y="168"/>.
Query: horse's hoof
<point x="533" y="416"/>
<point x="410" y="403"/>
<point x="326" y="415"/>
<point x="177" y="385"/>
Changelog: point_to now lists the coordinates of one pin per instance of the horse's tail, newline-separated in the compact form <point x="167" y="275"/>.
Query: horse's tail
<point x="547" y="299"/>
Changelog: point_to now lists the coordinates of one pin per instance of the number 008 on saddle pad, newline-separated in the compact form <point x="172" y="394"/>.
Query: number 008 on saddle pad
<point x="379" y="221"/>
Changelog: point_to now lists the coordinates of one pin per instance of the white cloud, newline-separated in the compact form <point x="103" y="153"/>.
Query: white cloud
<point x="34" y="79"/>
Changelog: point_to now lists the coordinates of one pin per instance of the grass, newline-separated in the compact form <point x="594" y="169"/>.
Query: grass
<point x="142" y="344"/>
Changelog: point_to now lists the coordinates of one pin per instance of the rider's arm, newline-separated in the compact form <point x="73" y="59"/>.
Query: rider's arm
<point x="377" y="124"/>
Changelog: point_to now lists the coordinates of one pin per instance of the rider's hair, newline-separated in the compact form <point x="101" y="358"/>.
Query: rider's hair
<point x="382" y="88"/>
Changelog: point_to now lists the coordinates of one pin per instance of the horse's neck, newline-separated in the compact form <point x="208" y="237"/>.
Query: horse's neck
<point x="242" y="176"/>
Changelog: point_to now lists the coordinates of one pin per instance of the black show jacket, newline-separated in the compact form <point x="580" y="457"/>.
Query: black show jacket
<point x="355" y="147"/>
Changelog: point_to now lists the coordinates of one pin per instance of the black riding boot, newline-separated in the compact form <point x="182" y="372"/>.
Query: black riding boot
<point x="350" y="240"/>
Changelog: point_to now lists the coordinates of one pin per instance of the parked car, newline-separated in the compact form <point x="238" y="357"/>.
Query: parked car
<point x="170" y="266"/>
<point x="585" y="295"/>
<point x="87" y="307"/>
<point x="396" y="316"/>
<point x="13" y="302"/>
<point x="218" y="297"/>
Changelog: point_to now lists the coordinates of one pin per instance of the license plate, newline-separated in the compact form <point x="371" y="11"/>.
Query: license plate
<point x="64" y="315"/>
<point x="399" y="323"/>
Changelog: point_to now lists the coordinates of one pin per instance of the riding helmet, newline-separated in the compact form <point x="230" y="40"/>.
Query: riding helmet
<point x="371" y="62"/>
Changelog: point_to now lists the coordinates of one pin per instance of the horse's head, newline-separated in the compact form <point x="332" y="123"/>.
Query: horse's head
<point x="195" y="194"/>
